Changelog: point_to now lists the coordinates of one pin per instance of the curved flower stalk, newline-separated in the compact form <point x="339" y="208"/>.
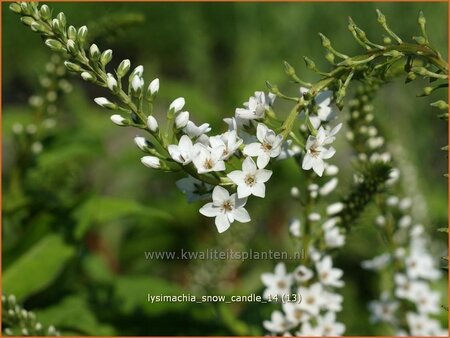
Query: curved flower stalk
<point x="16" y="321"/>
<point x="208" y="160"/>
<point x="408" y="303"/>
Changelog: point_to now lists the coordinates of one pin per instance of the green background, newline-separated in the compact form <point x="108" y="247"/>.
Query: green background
<point x="93" y="209"/>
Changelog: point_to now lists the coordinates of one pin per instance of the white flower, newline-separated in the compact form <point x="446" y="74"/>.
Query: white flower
<point x="331" y="170"/>
<point x="422" y="325"/>
<point x="152" y="124"/>
<point x="177" y="104"/>
<point x="294" y="227"/>
<point x="182" y="119"/>
<point x="207" y="160"/>
<point x="314" y="217"/>
<point x="229" y="140"/>
<point x="316" y="152"/>
<point x="307" y="330"/>
<point x="278" y="283"/>
<point x="137" y="83"/>
<point x="377" y="263"/>
<point x="383" y="310"/>
<point x="193" y="130"/>
<point x="302" y="274"/>
<point x="151" y="162"/>
<point x="153" y="87"/>
<point x="269" y="145"/>
<point x="334" y="238"/>
<point x="225" y="208"/>
<point x="250" y="180"/>
<point x="312" y="298"/>
<point x="406" y="288"/>
<point x="328" y="325"/>
<point x="332" y="301"/>
<point x="327" y="274"/>
<point x="405" y="221"/>
<point x="117" y="119"/>
<point x="326" y="111"/>
<point x="183" y="152"/>
<point x="421" y="265"/>
<point x="294" y="313"/>
<point x="427" y="301"/>
<point x="256" y="106"/>
<point x="193" y="188"/>
<point x="277" y="323"/>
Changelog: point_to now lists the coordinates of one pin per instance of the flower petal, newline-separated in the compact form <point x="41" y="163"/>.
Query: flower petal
<point x="222" y="223"/>
<point x="220" y="194"/>
<point x="253" y="149"/>
<point x="209" y="210"/>
<point x="241" y="215"/>
<point x="259" y="190"/>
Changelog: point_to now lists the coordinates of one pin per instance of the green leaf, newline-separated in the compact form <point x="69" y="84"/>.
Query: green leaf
<point x="38" y="267"/>
<point x="107" y="209"/>
<point x="73" y="314"/>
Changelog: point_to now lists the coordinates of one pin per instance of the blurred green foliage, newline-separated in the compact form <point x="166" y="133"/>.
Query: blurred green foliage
<point x="77" y="222"/>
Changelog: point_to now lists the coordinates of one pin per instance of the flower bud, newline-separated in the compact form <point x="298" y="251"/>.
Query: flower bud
<point x="182" y="119"/>
<point x="45" y="12"/>
<point x="136" y="85"/>
<point x="335" y="208"/>
<point x="105" y="103"/>
<point x="141" y="142"/>
<point x="111" y="82"/>
<point x="94" y="51"/>
<point x="27" y="20"/>
<point x="87" y="76"/>
<point x="151" y="162"/>
<point x="118" y="120"/>
<point x="15" y="7"/>
<point x="152" y="124"/>
<point x="72" y="67"/>
<point x="72" y="33"/>
<point x="54" y="45"/>
<point x="152" y="89"/>
<point x="295" y="192"/>
<point x="123" y="68"/>
<point x="82" y="34"/>
<point x="62" y="19"/>
<point x="106" y="57"/>
<point x="177" y="104"/>
<point x="71" y="46"/>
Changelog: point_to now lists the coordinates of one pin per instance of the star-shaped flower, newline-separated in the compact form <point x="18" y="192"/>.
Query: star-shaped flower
<point x="250" y="180"/>
<point x="327" y="274"/>
<point x="225" y="208"/>
<point x="208" y="159"/>
<point x="269" y="145"/>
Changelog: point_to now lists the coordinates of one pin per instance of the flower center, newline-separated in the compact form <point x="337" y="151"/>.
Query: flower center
<point x="250" y="180"/>
<point x="310" y="300"/>
<point x="266" y="146"/>
<point x="314" y="151"/>
<point x="298" y="313"/>
<point x="281" y="284"/>
<point x="227" y="206"/>
<point x="208" y="164"/>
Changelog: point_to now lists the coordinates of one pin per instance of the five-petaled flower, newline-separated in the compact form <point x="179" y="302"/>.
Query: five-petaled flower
<point x="269" y="145"/>
<point x="250" y="180"/>
<point x="225" y="208"/>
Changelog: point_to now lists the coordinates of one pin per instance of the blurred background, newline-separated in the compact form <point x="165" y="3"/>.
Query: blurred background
<point x="79" y="209"/>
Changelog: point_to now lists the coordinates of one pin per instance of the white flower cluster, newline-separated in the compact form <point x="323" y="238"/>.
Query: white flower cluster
<point x="414" y="272"/>
<point x="313" y="313"/>
<point x="236" y="159"/>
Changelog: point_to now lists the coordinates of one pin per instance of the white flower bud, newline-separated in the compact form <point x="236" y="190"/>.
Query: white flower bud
<point x="111" y="82"/>
<point x="328" y="187"/>
<point x="152" y="124"/>
<point x="123" y="68"/>
<point x="380" y="220"/>
<point x="295" y="192"/>
<point x="117" y="119"/>
<point x="139" y="71"/>
<point x="87" y="76"/>
<point x="331" y="170"/>
<point x="36" y="148"/>
<point x="153" y="87"/>
<point x="151" y="162"/>
<point x="105" y="103"/>
<point x="106" y="57"/>
<point x="405" y="221"/>
<point x="392" y="201"/>
<point x="94" y="51"/>
<point x="314" y="217"/>
<point x="177" y="104"/>
<point x="335" y="208"/>
<point x="72" y="33"/>
<point x="71" y="46"/>
<point x="295" y="227"/>
<point x="182" y="119"/>
<point x="17" y="128"/>
<point x="82" y="34"/>
<point x="141" y="142"/>
<point x="136" y="84"/>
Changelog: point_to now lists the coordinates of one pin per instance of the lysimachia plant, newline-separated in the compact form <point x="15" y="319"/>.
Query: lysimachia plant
<point x="227" y="168"/>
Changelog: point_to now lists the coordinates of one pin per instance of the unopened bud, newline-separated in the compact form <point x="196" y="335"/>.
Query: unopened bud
<point x="105" y="103"/>
<point x="123" y="68"/>
<point x="106" y="57"/>
<point x="182" y="119"/>
<point x="152" y="124"/>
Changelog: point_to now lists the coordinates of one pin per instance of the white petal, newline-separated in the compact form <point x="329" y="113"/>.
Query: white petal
<point x="222" y="223"/>
<point x="243" y="190"/>
<point x="328" y="153"/>
<point x="249" y="166"/>
<point x="263" y="175"/>
<point x="241" y="215"/>
<point x="237" y="176"/>
<point x="263" y="160"/>
<point x="307" y="162"/>
<point x="209" y="210"/>
<point x="261" y="131"/>
<point x="253" y="149"/>
<point x="259" y="189"/>
<point x="318" y="167"/>
<point x="220" y="194"/>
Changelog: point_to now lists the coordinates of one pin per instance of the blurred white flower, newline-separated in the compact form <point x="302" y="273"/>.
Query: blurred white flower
<point x="278" y="283"/>
<point x="302" y="274"/>
<point x="256" y="106"/>
<point x="278" y="323"/>
<point x="327" y="274"/>
<point x="312" y="298"/>
<point x="269" y="145"/>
